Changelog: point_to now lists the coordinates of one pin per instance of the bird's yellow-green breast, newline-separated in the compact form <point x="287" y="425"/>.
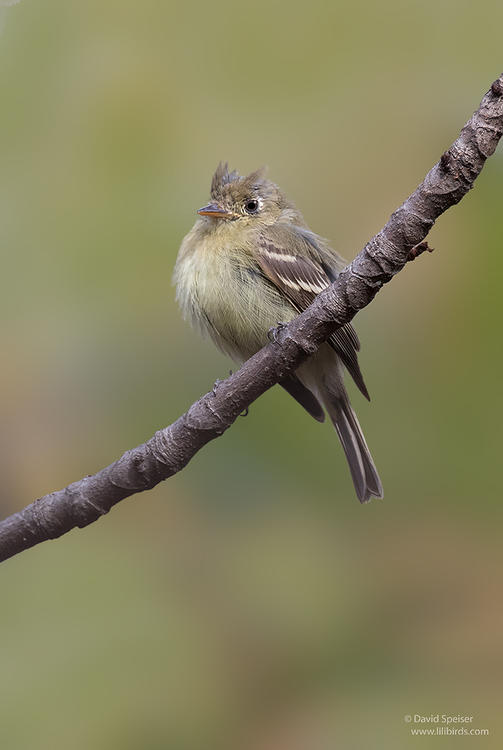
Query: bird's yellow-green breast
<point x="223" y="292"/>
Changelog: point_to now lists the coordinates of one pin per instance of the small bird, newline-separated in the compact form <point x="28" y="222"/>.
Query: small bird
<point x="250" y="262"/>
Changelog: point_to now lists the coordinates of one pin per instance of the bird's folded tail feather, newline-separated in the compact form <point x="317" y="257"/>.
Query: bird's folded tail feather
<point x="361" y="464"/>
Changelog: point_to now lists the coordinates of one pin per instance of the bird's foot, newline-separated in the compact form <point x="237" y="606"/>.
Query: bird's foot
<point x="272" y="333"/>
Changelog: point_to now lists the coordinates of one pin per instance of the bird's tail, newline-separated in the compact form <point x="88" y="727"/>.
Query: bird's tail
<point x="361" y="464"/>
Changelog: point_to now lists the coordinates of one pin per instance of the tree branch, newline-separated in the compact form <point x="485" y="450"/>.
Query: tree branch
<point x="170" y="449"/>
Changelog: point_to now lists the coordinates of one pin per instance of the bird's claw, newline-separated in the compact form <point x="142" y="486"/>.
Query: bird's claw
<point x="244" y="413"/>
<point x="272" y="333"/>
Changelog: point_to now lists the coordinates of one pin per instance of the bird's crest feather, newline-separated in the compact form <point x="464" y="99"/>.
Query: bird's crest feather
<point x="223" y="177"/>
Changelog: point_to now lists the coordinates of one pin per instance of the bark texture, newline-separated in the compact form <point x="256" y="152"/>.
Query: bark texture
<point x="170" y="449"/>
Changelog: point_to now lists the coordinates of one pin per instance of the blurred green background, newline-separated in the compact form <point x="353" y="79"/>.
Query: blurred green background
<point x="249" y="602"/>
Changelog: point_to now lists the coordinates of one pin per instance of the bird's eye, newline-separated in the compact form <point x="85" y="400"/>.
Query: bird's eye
<point x="251" y="206"/>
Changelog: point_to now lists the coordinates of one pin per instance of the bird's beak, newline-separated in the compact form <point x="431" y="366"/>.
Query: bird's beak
<point x="213" y="209"/>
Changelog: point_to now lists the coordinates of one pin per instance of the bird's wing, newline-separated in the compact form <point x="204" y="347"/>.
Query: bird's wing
<point x="297" y="267"/>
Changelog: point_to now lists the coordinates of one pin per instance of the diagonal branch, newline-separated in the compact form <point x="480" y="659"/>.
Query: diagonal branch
<point x="170" y="449"/>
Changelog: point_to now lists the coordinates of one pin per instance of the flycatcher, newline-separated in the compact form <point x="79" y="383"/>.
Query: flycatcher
<point x="250" y="262"/>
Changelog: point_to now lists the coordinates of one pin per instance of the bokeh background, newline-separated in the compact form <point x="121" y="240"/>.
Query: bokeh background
<point x="249" y="602"/>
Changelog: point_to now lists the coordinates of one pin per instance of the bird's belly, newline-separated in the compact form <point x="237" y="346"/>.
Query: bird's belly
<point x="237" y="306"/>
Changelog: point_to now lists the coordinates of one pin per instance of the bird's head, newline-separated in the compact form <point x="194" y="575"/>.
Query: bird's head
<point x="249" y="201"/>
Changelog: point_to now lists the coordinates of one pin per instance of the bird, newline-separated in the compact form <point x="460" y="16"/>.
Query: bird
<point x="251" y="262"/>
